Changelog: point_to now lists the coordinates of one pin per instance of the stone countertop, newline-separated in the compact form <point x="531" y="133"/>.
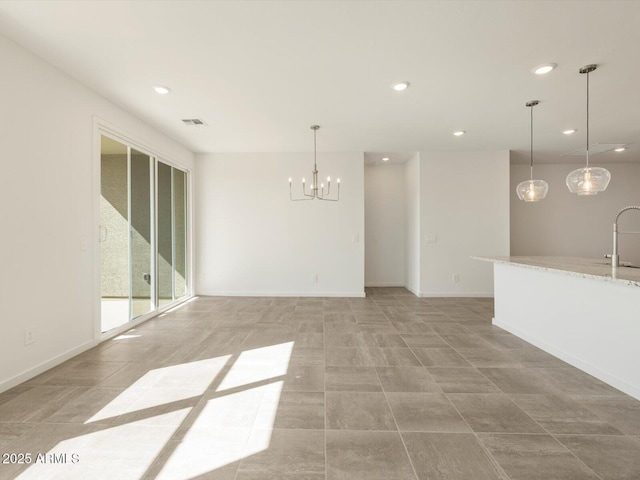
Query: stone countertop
<point x="596" y="268"/>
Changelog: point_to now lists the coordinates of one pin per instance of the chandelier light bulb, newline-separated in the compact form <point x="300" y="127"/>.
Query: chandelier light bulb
<point x="328" y="179"/>
<point x="303" y="180"/>
<point x="338" y="180"/>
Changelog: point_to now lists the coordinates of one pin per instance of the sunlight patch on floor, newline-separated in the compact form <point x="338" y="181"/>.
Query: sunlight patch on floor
<point x="218" y="427"/>
<point x="186" y="379"/>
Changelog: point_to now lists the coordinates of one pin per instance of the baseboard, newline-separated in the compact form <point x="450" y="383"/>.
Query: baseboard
<point x="415" y="292"/>
<point x="283" y="294"/>
<point x="43" y="367"/>
<point x="383" y="285"/>
<point x="572" y="360"/>
<point x="457" y="294"/>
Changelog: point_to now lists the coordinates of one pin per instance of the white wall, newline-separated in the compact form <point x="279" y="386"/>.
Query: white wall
<point x="412" y="224"/>
<point x="565" y="224"/>
<point x="252" y="240"/>
<point x="384" y="225"/>
<point x="48" y="202"/>
<point x="464" y="202"/>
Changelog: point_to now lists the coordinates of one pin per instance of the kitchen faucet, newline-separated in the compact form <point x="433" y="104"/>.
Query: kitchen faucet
<point x="615" y="258"/>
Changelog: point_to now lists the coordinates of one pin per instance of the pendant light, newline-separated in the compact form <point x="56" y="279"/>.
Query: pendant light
<point x="588" y="180"/>
<point x="532" y="190"/>
<point x="315" y="191"/>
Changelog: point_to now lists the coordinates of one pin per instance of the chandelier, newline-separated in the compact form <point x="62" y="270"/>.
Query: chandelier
<point x="315" y="190"/>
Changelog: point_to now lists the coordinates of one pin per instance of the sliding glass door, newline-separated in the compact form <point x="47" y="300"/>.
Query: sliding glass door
<point x="172" y="233"/>
<point x="143" y="214"/>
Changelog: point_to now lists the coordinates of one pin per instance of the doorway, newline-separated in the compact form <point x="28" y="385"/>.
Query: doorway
<point x="143" y="233"/>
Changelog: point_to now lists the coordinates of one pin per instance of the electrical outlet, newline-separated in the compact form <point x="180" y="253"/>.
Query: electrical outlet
<point x="314" y="278"/>
<point x="29" y="336"/>
<point x="455" y="278"/>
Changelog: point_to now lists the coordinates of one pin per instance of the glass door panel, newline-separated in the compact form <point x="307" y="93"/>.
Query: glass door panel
<point x="165" y="236"/>
<point x="141" y="241"/>
<point x="179" y="232"/>
<point x="114" y="233"/>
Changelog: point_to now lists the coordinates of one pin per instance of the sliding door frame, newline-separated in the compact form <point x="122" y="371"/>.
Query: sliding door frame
<point x="104" y="128"/>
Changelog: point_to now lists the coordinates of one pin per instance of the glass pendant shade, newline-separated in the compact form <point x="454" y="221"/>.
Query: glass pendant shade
<point x="532" y="190"/>
<point x="588" y="180"/>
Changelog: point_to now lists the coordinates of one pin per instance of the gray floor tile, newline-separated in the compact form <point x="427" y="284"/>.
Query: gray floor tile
<point x="293" y="410"/>
<point x="611" y="457"/>
<point x="282" y="453"/>
<point x="367" y="456"/>
<point x="425" y="412"/>
<point x="576" y="382"/>
<point x="304" y="378"/>
<point x="489" y="357"/>
<point x="358" y="411"/>
<point x="462" y="380"/>
<point x="393" y="357"/>
<point x="355" y="357"/>
<point x="465" y="341"/>
<point x="535" y="457"/>
<point x="439" y="357"/>
<point x="519" y="380"/>
<point x="493" y="413"/>
<point x="355" y="379"/>
<point x="561" y="414"/>
<point x="450" y="456"/>
<point x="621" y="411"/>
<point x="423" y="340"/>
<point x="406" y="379"/>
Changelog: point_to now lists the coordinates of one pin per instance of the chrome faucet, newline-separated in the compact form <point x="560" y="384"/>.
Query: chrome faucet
<point x="615" y="258"/>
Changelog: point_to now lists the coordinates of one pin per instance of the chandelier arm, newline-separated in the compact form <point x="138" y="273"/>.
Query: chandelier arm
<point x="296" y="199"/>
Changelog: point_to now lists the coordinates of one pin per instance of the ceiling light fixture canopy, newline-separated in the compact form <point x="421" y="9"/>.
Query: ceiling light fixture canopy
<point x="588" y="180"/>
<point x="532" y="190"/>
<point x="315" y="191"/>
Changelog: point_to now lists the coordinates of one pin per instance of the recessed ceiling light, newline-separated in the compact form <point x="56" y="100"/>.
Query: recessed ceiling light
<point x="570" y="131"/>
<point x="621" y="149"/>
<point x="458" y="133"/>
<point x="385" y="159"/>
<point x="161" y="89"/>
<point x="398" y="87"/>
<point x="545" y="68"/>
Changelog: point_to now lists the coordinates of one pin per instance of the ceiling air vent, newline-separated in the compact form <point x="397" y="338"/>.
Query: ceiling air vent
<point x="194" y="122"/>
<point x="595" y="149"/>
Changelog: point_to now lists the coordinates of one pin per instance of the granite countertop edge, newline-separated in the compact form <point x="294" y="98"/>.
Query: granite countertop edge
<point x="593" y="268"/>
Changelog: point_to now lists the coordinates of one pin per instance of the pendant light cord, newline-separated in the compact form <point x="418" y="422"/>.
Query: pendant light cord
<point x="531" y="151"/>
<point x="315" y="166"/>
<point x="587" y="119"/>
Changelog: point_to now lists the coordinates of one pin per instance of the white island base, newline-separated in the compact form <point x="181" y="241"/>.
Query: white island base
<point x="575" y="310"/>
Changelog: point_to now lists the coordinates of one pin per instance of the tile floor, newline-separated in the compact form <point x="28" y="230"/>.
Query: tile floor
<point x="389" y="387"/>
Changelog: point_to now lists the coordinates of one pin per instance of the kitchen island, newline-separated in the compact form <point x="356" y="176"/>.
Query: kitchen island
<point x="581" y="310"/>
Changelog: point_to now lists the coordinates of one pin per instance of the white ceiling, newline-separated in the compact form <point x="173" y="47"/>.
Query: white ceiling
<point x="260" y="72"/>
